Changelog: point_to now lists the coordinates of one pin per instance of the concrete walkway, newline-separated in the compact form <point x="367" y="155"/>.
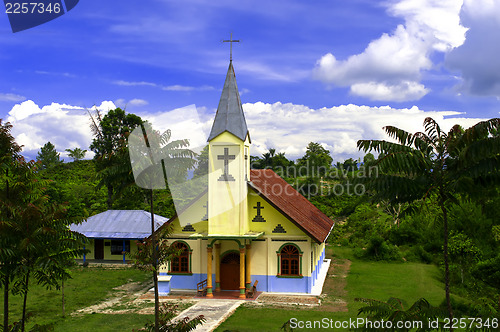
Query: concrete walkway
<point x="215" y="312"/>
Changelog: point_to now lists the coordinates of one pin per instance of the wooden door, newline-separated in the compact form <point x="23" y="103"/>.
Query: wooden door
<point x="98" y="249"/>
<point x="230" y="271"/>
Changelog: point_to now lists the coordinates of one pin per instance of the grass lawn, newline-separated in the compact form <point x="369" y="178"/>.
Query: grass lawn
<point x="87" y="287"/>
<point x="377" y="280"/>
<point x="103" y="322"/>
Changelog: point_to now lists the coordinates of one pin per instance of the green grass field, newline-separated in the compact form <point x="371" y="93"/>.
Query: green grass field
<point x="376" y="280"/>
<point x="87" y="287"/>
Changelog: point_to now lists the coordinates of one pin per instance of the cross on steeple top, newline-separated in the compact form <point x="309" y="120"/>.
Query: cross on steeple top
<point x="231" y="41"/>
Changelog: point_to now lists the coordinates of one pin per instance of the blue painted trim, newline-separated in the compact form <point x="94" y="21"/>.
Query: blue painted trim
<point x="123" y="249"/>
<point x="267" y="283"/>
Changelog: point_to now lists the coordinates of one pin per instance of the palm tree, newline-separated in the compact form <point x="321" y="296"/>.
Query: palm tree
<point x="152" y="156"/>
<point x="77" y="153"/>
<point x="434" y="164"/>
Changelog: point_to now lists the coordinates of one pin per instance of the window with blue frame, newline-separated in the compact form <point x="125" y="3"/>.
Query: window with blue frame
<point x="117" y="247"/>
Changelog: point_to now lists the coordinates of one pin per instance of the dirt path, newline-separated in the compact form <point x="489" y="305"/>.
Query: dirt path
<point x="122" y="300"/>
<point x="334" y="292"/>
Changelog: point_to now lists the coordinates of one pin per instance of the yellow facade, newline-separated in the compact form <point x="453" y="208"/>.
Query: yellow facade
<point x="227" y="204"/>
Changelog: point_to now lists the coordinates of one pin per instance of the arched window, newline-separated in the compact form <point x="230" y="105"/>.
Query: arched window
<point x="182" y="262"/>
<point x="290" y="259"/>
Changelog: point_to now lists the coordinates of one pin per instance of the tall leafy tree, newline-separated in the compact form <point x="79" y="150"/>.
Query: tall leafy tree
<point x="317" y="160"/>
<point x="9" y="153"/>
<point x="35" y="240"/>
<point x="77" y="153"/>
<point x="435" y="164"/>
<point x="48" y="156"/>
<point x="44" y="242"/>
<point x="110" y="147"/>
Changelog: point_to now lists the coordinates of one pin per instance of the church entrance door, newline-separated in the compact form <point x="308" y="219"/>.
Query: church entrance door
<point x="230" y="271"/>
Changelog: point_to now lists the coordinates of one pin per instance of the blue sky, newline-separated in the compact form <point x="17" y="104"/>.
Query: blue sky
<point x="326" y="71"/>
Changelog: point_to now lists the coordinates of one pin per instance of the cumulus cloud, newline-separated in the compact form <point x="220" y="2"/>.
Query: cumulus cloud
<point x="11" y="97"/>
<point x="286" y="127"/>
<point x="65" y="126"/>
<point x="391" y="66"/>
<point x="477" y="59"/>
<point x="289" y="128"/>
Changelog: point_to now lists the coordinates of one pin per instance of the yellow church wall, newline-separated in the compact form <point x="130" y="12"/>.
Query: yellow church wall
<point x="227" y="204"/>
<point x="259" y="258"/>
<point x="271" y="216"/>
<point x="193" y="215"/>
<point x="200" y="227"/>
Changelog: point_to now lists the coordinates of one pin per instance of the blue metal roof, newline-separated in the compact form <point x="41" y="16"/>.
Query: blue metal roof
<point x="119" y="224"/>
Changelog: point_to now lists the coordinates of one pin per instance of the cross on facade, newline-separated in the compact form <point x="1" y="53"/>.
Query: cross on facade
<point x="226" y="157"/>
<point x="258" y="207"/>
<point x="231" y="41"/>
<point x="258" y="217"/>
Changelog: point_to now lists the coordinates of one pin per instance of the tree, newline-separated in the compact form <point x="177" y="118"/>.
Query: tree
<point x="35" y="232"/>
<point x="110" y="147"/>
<point x="202" y="163"/>
<point x="317" y="160"/>
<point x="48" y="156"/>
<point x="435" y="164"/>
<point x="350" y="165"/>
<point x="463" y="252"/>
<point x="77" y="153"/>
<point x="9" y="152"/>
<point x="368" y="160"/>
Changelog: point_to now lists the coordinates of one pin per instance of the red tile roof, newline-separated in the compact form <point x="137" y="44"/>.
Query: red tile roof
<point x="293" y="205"/>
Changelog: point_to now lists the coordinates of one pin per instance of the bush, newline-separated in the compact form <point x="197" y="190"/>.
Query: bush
<point x="378" y="249"/>
<point x="488" y="271"/>
<point x="418" y="254"/>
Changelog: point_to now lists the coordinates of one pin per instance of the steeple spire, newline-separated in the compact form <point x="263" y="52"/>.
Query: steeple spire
<point x="229" y="116"/>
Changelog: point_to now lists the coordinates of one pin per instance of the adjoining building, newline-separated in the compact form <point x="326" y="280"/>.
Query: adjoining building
<point x="114" y="233"/>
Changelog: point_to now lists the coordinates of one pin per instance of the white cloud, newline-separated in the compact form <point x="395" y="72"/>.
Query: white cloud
<point x="393" y="63"/>
<point x="477" y="59"/>
<point x="402" y="91"/>
<point x="286" y="127"/>
<point x="138" y="102"/>
<point x="289" y="128"/>
<point x="11" y="97"/>
<point x="187" y="88"/>
<point x="133" y="102"/>
<point x="175" y="87"/>
<point x="134" y="83"/>
<point x="65" y="126"/>
<point x="184" y="123"/>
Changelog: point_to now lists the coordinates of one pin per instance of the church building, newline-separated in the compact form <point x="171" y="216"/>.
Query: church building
<point x="250" y="225"/>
